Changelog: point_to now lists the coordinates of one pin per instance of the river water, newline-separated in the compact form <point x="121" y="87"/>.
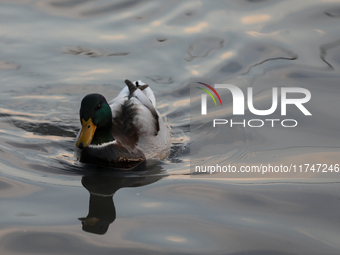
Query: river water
<point x="54" y="52"/>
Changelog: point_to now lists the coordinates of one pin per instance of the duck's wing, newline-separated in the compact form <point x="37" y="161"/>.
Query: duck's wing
<point x="124" y="129"/>
<point x="133" y="116"/>
<point x="148" y="116"/>
<point x="146" y="106"/>
<point x="140" y="99"/>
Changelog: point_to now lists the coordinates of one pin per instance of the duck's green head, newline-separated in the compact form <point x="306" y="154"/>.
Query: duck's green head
<point x="96" y="120"/>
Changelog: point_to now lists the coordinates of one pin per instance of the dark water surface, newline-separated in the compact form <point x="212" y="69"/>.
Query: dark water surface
<point x="53" y="53"/>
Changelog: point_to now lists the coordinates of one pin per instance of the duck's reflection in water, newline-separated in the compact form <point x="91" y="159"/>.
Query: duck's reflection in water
<point x="102" y="187"/>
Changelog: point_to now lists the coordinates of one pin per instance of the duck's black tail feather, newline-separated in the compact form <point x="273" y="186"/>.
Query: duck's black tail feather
<point x="131" y="86"/>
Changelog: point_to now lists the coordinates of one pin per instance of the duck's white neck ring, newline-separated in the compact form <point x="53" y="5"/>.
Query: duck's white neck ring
<point x="99" y="146"/>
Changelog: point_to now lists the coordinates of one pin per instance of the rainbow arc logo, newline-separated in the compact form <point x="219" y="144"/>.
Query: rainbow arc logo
<point x="209" y="93"/>
<point x="204" y="97"/>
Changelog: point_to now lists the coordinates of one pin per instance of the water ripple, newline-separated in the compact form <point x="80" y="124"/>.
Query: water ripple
<point x="93" y="53"/>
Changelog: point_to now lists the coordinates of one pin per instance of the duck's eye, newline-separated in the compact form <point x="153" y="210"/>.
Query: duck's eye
<point x="98" y="107"/>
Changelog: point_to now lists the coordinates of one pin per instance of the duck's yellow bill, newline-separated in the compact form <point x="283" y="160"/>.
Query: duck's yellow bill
<point x="86" y="134"/>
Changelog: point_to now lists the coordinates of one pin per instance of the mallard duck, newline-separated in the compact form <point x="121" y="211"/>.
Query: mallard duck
<point x="123" y="132"/>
